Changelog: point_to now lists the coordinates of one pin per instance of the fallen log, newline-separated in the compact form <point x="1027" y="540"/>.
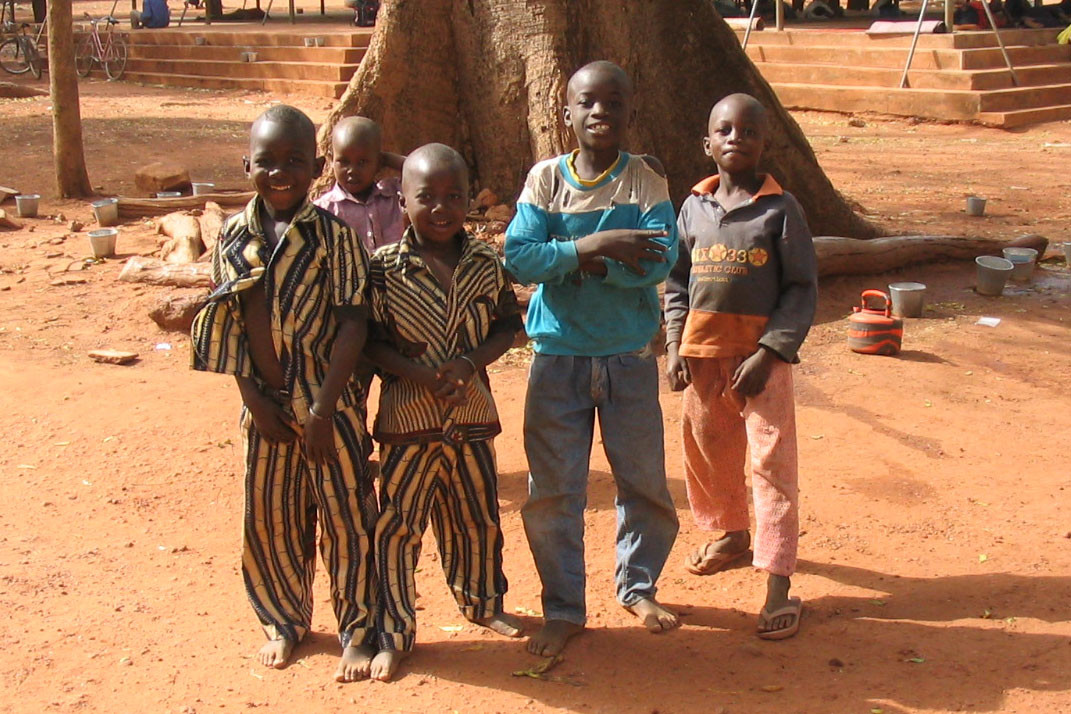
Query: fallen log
<point x="850" y="256"/>
<point x="183" y="243"/>
<point x="140" y="269"/>
<point x="139" y="207"/>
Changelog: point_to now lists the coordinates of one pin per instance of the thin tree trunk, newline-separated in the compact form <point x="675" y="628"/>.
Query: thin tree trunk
<point x="72" y="179"/>
<point x="489" y="76"/>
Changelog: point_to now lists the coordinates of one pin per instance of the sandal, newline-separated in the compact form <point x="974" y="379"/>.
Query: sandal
<point x="707" y="561"/>
<point x="793" y="608"/>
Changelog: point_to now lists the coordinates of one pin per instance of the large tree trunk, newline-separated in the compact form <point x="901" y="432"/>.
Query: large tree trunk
<point x="72" y="180"/>
<point x="488" y="77"/>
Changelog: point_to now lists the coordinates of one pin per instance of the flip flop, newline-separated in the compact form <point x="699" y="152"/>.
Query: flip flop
<point x="794" y="608"/>
<point x="703" y="561"/>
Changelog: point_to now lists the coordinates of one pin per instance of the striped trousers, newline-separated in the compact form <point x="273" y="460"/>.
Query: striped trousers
<point x="285" y="497"/>
<point x="456" y="486"/>
<point x="719" y="428"/>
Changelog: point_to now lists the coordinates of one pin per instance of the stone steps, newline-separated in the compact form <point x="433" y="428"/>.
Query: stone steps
<point x="961" y="76"/>
<point x="211" y="58"/>
<point x="332" y="90"/>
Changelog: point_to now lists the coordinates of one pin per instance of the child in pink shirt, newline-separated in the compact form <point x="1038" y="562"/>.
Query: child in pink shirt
<point x="367" y="206"/>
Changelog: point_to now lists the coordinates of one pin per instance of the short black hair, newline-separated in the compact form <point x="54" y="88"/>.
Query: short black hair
<point x="746" y="102"/>
<point x="355" y="129"/>
<point x="435" y="156"/>
<point x="602" y="67"/>
<point x="293" y="120"/>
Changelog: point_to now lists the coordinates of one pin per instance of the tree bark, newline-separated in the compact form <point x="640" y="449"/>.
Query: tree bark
<point x="488" y="77"/>
<point x="72" y="179"/>
<point x="846" y="256"/>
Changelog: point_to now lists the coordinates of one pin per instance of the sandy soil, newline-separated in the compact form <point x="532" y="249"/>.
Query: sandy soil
<point x="936" y="549"/>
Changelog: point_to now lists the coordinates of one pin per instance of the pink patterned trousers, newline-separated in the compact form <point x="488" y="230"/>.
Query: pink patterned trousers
<point x="719" y="427"/>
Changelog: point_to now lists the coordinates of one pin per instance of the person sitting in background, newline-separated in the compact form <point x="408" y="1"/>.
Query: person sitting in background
<point x="364" y="12"/>
<point x="154" y="14"/>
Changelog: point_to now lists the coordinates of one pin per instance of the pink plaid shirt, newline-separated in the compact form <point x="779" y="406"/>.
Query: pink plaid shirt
<point x="377" y="221"/>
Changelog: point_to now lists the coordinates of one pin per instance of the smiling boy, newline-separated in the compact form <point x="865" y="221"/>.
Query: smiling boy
<point x="288" y="319"/>
<point x="442" y="310"/>
<point x="595" y="229"/>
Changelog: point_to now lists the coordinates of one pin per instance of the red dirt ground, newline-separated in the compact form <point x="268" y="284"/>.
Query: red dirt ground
<point x="936" y="553"/>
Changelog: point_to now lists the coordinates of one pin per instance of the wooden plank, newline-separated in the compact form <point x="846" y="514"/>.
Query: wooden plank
<point x="138" y="207"/>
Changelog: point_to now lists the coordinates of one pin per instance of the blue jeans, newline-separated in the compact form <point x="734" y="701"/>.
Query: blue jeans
<point x="564" y="395"/>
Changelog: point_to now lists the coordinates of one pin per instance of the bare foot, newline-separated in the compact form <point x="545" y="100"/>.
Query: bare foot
<point x="385" y="664"/>
<point x="655" y="617"/>
<point x="503" y="623"/>
<point x="356" y="663"/>
<point x="552" y="637"/>
<point x="715" y="556"/>
<point x="276" y="653"/>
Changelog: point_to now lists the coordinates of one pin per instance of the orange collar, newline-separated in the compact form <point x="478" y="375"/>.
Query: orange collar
<point x="709" y="185"/>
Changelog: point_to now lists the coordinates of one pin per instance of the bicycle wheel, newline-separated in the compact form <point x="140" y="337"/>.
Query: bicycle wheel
<point x="83" y="58"/>
<point x="33" y="58"/>
<point x="12" y="58"/>
<point x="115" y="57"/>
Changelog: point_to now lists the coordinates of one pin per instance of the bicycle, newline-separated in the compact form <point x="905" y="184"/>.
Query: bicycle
<point x="109" y="49"/>
<point x="19" y="53"/>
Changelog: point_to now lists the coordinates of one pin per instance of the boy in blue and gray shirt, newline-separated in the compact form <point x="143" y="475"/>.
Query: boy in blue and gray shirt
<point x="596" y="230"/>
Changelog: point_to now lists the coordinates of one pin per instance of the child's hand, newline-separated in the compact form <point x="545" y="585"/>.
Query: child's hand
<point x="677" y="370"/>
<point x="427" y="378"/>
<point x="751" y="376"/>
<point x="625" y="245"/>
<point x="320" y="439"/>
<point x="271" y="420"/>
<point x="453" y="379"/>
<point x="594" y="266"/>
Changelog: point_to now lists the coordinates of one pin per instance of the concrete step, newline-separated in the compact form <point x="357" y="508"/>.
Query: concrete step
<point x="325" y="55"/>
<point x="1020" y="98"/>
<point x="929" y="103"/>
<point x="278" y="86"/>
<point x="1028" y="76"/>
<point x="225" y="70"/>
<point x="1023" y="117"/>
<point x="990" y="57"/>
<point x="184" y="36"/>
<point x="893" y="57"/>
<point x="858" y="38"/>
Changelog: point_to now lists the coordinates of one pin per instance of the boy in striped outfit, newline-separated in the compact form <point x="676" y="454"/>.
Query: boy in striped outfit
<point x="595" y="229"/>
<point x="739" y="303"/>
<point x="442" y="310"/>
<point x="288" y="319"/>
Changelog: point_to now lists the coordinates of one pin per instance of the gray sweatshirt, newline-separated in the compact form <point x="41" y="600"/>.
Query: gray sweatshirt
<point x="743" y="278"/>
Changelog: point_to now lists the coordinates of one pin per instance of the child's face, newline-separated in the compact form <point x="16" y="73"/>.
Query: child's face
<point x="435" y="197"/>
<point x="281" y="165"/>
<point x="356" y="164"/>
<point x="735" y="137"/>
<point x="597" y="109"/>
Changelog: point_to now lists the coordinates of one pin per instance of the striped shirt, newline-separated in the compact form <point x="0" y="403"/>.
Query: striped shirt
<point x="429" y="325"/>
<point x="317" y="266"/>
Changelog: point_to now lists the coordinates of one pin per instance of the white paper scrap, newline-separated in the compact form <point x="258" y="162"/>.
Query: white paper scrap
<point x="988" y="321"/>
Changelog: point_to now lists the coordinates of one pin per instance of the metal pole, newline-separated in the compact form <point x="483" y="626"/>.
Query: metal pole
<point x="750" y="21"/>
<point x="779" y="15"/>
<point x="1000" y="42"/>
<point x="915" y="41"/>
<point x="950" y="11"/>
